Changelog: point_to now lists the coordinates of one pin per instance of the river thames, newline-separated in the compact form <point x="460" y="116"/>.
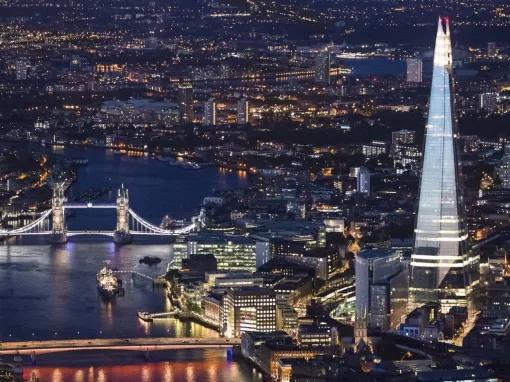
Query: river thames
<point x="50" y="292"/>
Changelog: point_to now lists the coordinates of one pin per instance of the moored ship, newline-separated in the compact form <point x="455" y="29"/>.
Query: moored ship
<point x="108" y="284"/>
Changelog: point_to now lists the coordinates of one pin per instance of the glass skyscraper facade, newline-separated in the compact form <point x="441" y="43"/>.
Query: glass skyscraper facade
<point x="442" y="268"/>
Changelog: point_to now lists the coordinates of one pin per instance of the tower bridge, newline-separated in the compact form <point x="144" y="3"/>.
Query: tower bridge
<point x="52" y="222"/>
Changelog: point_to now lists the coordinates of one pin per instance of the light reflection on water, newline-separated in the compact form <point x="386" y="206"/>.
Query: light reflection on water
<point x="46" y="290"/>
<point x="191" y="365"/>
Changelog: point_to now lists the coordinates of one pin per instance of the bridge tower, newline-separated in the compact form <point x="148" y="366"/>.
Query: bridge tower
<point x="121" y="234"/>
<point x="59" y="231"/>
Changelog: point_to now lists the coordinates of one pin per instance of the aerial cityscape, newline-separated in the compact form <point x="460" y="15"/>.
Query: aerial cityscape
<point x="253" y="190"/>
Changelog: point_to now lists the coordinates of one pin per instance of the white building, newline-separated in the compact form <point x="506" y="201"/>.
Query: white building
<point x="414" y="70"/>
<point x="363" y="181"/>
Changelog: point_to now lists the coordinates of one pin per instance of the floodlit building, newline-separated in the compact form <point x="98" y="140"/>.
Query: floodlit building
<point x="442" y="269"/>
<point x="248" y="310"/>
<point x="234" y="253"/>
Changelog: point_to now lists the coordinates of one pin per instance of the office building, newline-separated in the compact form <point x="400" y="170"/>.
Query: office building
<point x="199" y="264"/>
<point x="233" y="253"/>
<point x="406" y="137"/>
<point x="210" y="113"/>
<point x="21" y="69"/>
<point x="442" y="269"/>
<point x="322" y="67"/>
<point x="374" y="149"/>
<point x="489" y="102"/>
<point x="286" y="318"/>
<point x="414" y="70"/>
<point x="492" y="49"/>
<point x="363" y="181"/>
<point x="319" y="334"/>
<point x="266" y="350"/>
<point x="248" y="310"/>
<point x="243" y="112"/>
<point x="186" y="103"/>
<point x="381" y="291"/>
<point x="503" y="170"/>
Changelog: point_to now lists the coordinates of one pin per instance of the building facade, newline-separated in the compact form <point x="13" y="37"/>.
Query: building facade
<point x="322" y="67"/>
<point x="243" y="112"/>
<point x="441" y="268"/>
<point x="414" y="70"/>
<point x="381" y="289"/>
<point x="210" y="113"/>
<point x="248" y="310"/>
<point x="186" y="103"/>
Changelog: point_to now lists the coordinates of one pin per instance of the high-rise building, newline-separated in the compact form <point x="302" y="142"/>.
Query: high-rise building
<point x="363" y="181"/>
<point x="322" y="67"/>
<point x="381" y="290"/>
<point x="186" y="103"/>
<point x="492" y="49"/>
<point x="442" y="269"/>
<point x="414" y="70"/>
<point x="21" y="69"/>
<point x="243" y="112"/>
<point x="489" y="101"/>
<point x="503" y="169"/>
<point x="210" y="113"/>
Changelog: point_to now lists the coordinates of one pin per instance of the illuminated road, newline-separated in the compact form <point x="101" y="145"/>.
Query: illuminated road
<point x="134" y="344"/>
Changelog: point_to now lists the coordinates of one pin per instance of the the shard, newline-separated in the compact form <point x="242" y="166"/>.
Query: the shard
<point x="442" y="268"/>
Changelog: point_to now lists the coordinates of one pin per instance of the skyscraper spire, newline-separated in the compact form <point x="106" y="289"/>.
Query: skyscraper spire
<point x="441" y="268"/>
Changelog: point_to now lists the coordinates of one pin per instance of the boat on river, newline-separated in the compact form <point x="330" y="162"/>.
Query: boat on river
<point x="108" y="284"/>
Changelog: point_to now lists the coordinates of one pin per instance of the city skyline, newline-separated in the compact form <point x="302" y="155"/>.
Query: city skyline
<point x="254" y="191"/>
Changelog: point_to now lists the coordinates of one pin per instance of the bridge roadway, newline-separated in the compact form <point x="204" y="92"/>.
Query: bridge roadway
<point x="130" y="344"/>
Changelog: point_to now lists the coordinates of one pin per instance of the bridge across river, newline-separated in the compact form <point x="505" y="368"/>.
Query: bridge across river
<point x="52" y="223"/>
<point x="128" y="344"/>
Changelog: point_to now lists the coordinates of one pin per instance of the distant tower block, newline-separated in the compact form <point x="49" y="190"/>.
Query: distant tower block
<point x="121" y="234"/>
<point x="59" y="232"/>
